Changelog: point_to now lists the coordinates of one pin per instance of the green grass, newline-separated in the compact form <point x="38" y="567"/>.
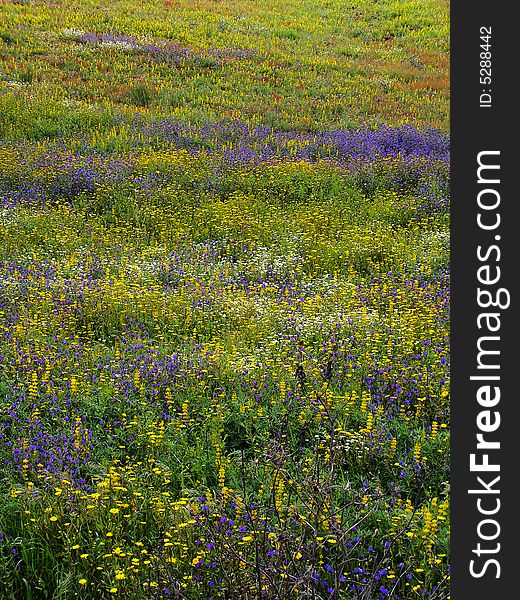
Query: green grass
<point x="226" y="360"/>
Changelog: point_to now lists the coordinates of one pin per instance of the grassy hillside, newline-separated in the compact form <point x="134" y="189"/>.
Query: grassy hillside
<point x="294" y="65"/>
<point x="224" y="295"/>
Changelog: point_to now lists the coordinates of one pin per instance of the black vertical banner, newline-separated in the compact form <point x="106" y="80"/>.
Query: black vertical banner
<point x="485" y="246"/>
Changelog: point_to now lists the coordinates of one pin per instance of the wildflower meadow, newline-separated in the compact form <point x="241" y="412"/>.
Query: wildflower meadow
<point x="224" y="299"/>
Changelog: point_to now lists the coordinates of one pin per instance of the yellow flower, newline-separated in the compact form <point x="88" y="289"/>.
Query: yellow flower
<point x="83" y="581"/>
<point x="54" y="519"/>
<point x="113" y="590"/>
<point x="75" y="547"/>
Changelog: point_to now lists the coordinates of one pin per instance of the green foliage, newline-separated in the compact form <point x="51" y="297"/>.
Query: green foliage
<point x="140" y="95"/>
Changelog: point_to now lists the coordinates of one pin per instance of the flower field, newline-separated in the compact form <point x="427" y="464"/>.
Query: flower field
<point x="224" y="299"/>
